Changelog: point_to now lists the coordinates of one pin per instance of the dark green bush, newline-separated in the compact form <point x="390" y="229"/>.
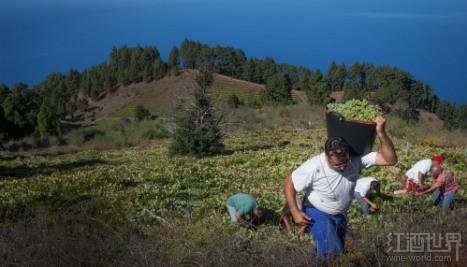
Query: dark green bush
<point x="158" y="133"/>
<point x="233" y="101"/>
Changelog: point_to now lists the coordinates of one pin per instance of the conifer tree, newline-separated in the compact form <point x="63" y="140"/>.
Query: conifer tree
<point x="47" y="121"/>
<point x="174" y="61"/>
<point x="197" y="128"/>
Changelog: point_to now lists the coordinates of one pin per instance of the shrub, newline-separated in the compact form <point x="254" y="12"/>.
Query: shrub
<point x="141" y="113"/>
<point x="92" y="133"/>
<point x="233" y="101"/>
<point x="158" y="133"/>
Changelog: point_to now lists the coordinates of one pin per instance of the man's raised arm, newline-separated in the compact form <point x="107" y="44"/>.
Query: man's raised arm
<point x="387" y="154"/>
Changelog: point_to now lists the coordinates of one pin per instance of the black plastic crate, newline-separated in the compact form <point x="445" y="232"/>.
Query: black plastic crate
<point x="360" y="135"/>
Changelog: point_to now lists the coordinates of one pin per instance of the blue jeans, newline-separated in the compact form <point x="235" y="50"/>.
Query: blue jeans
<point x="328" y="231"/>
<point x="232" y="212"/>
<point x="363" y="204"/>
<point x="443" y="201"/>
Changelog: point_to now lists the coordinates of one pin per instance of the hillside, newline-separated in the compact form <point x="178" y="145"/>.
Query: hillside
<point x="162" y="96"/>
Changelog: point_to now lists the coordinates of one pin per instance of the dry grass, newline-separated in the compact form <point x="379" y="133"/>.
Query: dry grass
<point x="79" y="239"/>
<point x="46" y="240"/>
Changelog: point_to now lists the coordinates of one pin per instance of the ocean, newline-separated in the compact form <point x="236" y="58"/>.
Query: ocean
<point x="427" y="38"/>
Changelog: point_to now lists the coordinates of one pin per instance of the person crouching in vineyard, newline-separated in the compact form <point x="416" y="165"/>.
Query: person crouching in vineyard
<point x="444" y="187"/>
<point x="243" y="208"/>
<point x="328" y="181"/>
<point x="364" y="190"/>
<point x="413" y="178"/>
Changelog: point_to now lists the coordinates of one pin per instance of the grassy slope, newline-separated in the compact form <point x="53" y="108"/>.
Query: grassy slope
<point x="160" y="97"/>
<point x="224" y="86"/>
<point x="145" y="187"/>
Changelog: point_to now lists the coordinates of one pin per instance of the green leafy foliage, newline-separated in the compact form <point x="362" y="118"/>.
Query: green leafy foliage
<point x="181" y="200"/>
<point x="154" y="184"/>
<point x="356" y="110"/>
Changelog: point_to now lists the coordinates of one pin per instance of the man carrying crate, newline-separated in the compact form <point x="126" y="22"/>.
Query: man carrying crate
<point x="328" y="181"/>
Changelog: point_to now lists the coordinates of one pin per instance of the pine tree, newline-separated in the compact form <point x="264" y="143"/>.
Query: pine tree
<point x="318" y="94"/>
<point x="148" y="73"/>
<point x="268" y="68"/>
<point x="278" y="90"/>
<point x="197" y="129"/>
<point x="20" y="108"/>
<point x="158" y="69"/>
<point x="174" y="61"/>
<point x="3" y="129"/>
<point x="47" y="121"/>
<point x="353" y="92"/>
<point x="335" y="76"/>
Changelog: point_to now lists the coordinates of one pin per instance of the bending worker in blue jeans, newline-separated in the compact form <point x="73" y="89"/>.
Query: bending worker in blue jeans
<point x="328" y="181"/>
<point x="364" y="189"/>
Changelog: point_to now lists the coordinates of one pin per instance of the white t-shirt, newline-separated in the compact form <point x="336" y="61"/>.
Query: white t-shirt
<point x="423" y="166"/>
<point x="363" y="185"/>
<point x="326" y="189"/>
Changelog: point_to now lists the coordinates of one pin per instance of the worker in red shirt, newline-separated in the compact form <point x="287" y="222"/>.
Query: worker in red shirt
<point x="444" y="187"/>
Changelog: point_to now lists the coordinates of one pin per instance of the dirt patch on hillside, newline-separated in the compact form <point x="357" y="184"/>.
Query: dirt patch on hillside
<point x="338" y="96"/>
<point x="430" y="119"/>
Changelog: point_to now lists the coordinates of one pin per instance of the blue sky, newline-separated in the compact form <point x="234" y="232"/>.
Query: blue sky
<point x="426" y="37"/>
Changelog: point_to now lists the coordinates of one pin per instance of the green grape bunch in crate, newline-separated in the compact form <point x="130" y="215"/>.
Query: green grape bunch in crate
<point x="360" y="110"/>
